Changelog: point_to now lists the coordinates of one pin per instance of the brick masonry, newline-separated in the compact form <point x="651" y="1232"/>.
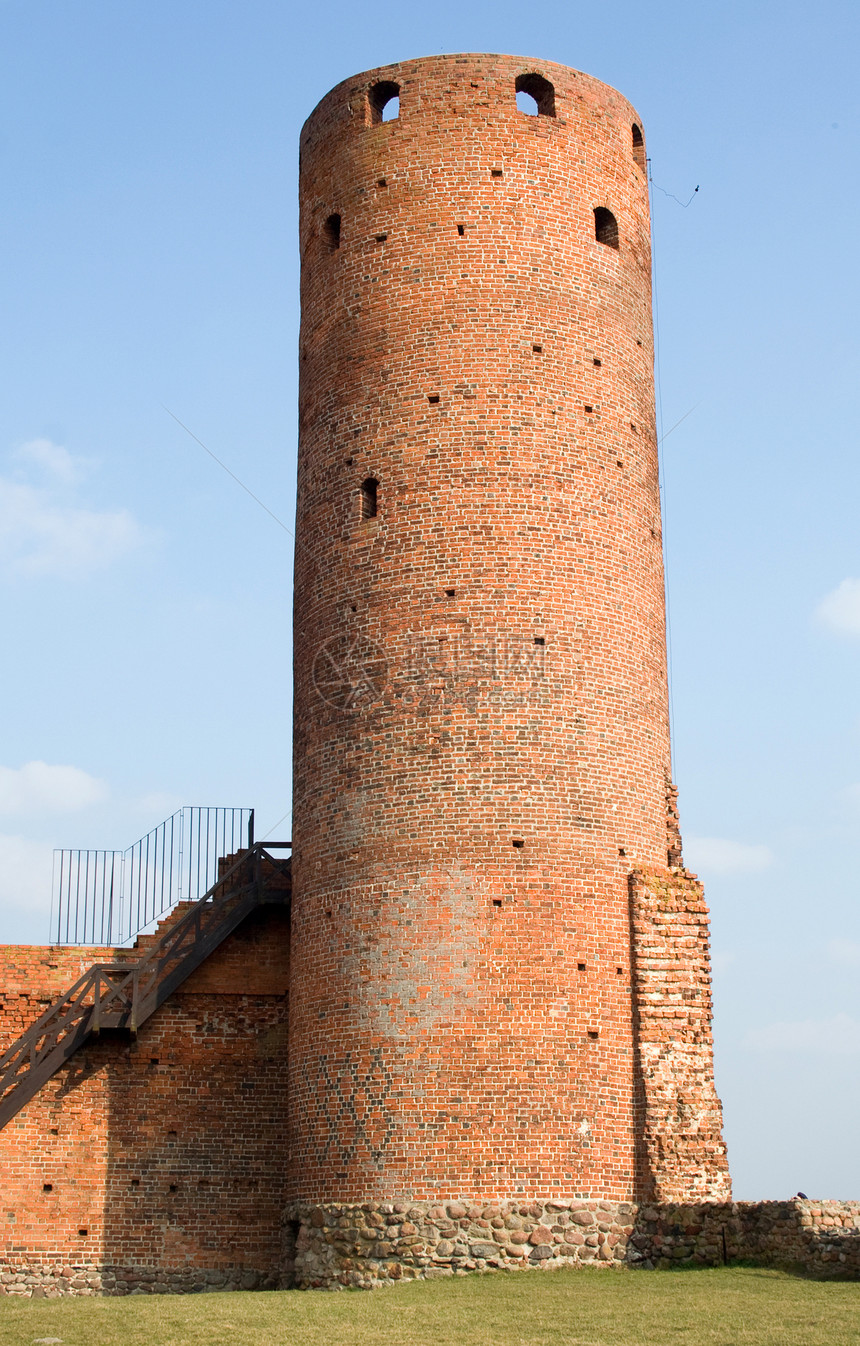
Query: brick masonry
<point x="481" y="717"/>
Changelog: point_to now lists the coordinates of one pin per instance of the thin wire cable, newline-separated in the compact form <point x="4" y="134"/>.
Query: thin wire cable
<point x="677" y="423"/>
<point x="228" y="471"/>
<point x="277" y="824"/>
<point x="661" y="470"/>
<point x="671" y="196"/>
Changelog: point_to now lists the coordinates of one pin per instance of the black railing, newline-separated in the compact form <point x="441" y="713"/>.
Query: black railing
<point x="109" y="897"/>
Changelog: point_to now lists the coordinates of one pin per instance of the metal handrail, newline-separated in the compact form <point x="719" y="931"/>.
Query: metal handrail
<point x="109" y="897"/>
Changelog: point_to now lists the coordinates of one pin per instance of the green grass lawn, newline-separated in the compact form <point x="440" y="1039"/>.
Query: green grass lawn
<point x="729" y="1306"/>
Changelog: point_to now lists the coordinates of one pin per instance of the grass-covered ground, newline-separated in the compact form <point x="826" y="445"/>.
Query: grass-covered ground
<point x="730" y="1306"/>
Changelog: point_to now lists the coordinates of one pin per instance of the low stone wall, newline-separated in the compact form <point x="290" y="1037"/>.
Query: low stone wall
<point x="367" y="1245"/>
<point x="821" y="1237"/>
<point x="54" y="1281"/>
<point x="372" y="1244"/>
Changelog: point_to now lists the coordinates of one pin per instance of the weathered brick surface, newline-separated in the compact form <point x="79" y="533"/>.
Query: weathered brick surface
<point x="163" y="1152"/>
<point x="481" y="725"/>
<point x="679" y="1118"/>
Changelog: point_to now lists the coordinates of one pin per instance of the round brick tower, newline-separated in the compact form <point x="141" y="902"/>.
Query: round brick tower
<point x="481" y="722"/>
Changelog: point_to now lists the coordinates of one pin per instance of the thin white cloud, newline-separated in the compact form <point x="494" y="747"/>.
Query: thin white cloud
<point x="54" y="460"/>
<point x="840" y="609"/>
<point x="45" y="529"/>
<point x="838" y="1036"/>
<point x="722" y="856"/>
<point x="25" y="874"/>
<point x="846" y="952"/>
<point x="38" y="787"/>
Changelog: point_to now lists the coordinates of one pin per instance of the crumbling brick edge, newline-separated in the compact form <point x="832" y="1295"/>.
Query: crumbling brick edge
<point x="365" y="1245"/>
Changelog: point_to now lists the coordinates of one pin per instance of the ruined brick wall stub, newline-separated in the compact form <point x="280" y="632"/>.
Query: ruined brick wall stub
<point x="682" y="1153"/>
<point x="160" y="1152"/>
<point x="481" y="729"/>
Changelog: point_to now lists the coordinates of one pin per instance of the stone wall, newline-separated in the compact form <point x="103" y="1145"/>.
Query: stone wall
<point x="822" y="1237"/>
<point x="368" y="1245"/>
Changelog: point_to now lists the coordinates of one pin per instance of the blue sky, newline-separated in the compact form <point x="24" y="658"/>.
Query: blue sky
<point x="148" y="233"/>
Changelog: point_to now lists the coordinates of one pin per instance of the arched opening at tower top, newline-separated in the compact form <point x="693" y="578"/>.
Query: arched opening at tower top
<point x="535" y="95"/>
<point x="638" y="147"/>
<point x="605" y="227"/>
<point x="383" y="102"/>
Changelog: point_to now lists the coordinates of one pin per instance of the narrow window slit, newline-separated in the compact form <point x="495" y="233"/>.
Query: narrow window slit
<point x="461" y="230"/>
<point x="369" y="500"/>
<point x="638" y="146"/>
<point x="597" y="363"/>
<point x="380" y="238"/>
<point x="331" y="232"/>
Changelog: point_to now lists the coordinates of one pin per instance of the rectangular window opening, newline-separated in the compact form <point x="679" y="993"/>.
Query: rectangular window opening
<point x="369" y="498"/>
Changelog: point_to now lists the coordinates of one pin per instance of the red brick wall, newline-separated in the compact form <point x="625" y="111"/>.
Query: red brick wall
<point x="166" y="1148"/>
<point x="462" y="1018"/>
